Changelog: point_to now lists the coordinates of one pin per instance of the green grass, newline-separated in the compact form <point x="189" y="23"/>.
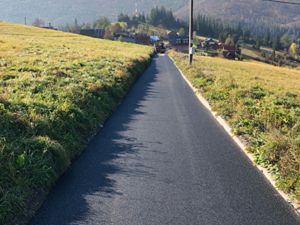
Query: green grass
<point x="261" y="103"/>
<point x="56" y="89"/>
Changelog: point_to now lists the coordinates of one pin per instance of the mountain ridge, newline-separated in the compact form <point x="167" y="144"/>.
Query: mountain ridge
<point x="247" y="11"/>
<point x="59" y="12"/>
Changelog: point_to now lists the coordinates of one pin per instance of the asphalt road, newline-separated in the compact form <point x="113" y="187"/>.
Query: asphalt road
<point x="162" y="159"/>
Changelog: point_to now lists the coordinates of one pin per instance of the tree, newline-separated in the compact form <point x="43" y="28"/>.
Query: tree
<point x="246" y="35"/>
<point x="267" y="38"/>
<point x="124" y="18"/>
<point x="123" y="25"/>
<point x="257" y="43"/>
<point x="75" y="28"/>
<point x="235" y="38"/>
<point x="285" y="41"/>
<point x="102" y="23"/>
<point x="116" y="28"/>
<point x="222" y="37"/>
<point x="273" y="55"/>
<point x="229" y="41"/>
<point x="276" y="43"/>
<point x="293" y="50"/>
<point x="195" y="36"/>
<point x="142" y="29"/>
<point x="87" y="26"/>
<point x="108" y="34"/>
<point x="38" y="22"/>
<point x="143" y="39"/>
<point x="181" y="32"/>
<point x="163" y="18"/>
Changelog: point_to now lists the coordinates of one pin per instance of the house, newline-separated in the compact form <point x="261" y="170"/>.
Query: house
<point x="96" y="33"/>
<point x="49" y="27"/>
<point x="154" y="39"/>
<point x="172" y="35"/>
<point x="142" y="39"/>
<point x="230" y="52"/>
<point x="179" y="40"/>
<point x="125" y="37"/>
<point x="210" y="43"/>
<point x="176" y="40"/>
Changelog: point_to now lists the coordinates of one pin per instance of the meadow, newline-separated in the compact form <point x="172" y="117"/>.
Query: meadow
<point x="56" y="90"/>
<point x="261" y="102"/>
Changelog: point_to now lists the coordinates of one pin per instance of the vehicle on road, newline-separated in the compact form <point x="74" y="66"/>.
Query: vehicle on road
<point x="160" y="48"/>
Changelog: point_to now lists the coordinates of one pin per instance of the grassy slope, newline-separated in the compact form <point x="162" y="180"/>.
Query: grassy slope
<point x="55" y="91"/>
<point x="262" y="104"/>
<point x="251" y="53"/>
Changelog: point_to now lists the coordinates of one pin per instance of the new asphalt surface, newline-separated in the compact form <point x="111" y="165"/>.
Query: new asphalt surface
<point x="162" y="159"/>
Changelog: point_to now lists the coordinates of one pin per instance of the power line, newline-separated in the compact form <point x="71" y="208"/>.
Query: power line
<point x="282" y="2"/>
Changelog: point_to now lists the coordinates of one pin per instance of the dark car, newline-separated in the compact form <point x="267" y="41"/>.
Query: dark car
<point x="160" y="48"/>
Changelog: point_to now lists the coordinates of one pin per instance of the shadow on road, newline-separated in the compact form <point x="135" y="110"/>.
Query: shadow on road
<point x="91" y="174"/>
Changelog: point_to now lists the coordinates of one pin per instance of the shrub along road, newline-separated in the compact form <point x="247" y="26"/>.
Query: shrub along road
<point x="162" y="159"/>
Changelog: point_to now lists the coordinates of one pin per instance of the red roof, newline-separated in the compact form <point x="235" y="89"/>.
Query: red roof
<point x="229" y="48"/>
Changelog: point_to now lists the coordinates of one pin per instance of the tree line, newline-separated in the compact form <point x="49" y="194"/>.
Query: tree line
<point x="158" y="17"/>
<point x="257" y="34"/>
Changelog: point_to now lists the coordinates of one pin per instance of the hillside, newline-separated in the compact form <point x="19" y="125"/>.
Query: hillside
<point x="56" y="89"/>
<point x="242" y="10"/>
<point x="66" y="11"/>
<point x="59" y="12"/>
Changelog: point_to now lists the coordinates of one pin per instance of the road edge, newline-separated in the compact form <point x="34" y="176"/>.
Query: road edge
<point x="288" y="198"/>
<point x="27" y="219"/>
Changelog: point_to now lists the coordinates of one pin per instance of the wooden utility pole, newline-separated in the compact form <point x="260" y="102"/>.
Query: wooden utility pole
<point x="191" y="32"/>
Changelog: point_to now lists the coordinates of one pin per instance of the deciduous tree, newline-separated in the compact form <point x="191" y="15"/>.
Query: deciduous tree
<point x="102" y="23"/>
<point x="181" y="31"/>
<point x="38" y="22"/>
<point x="293" y="50"/>
<point x="108" y="35"/>
<point x="116" y="28"/>
<point x="229" y="41"/>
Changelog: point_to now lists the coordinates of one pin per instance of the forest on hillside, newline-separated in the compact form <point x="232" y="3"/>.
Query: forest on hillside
<point x="257" y="34"/>
<point x="60" y="12"/>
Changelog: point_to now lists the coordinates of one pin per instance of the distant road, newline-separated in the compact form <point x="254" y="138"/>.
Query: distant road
<point x="162" y="159"/>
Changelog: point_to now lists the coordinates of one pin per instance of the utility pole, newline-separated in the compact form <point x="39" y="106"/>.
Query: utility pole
<point x="191" y="32"/>
<point x="25" y="20"/>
